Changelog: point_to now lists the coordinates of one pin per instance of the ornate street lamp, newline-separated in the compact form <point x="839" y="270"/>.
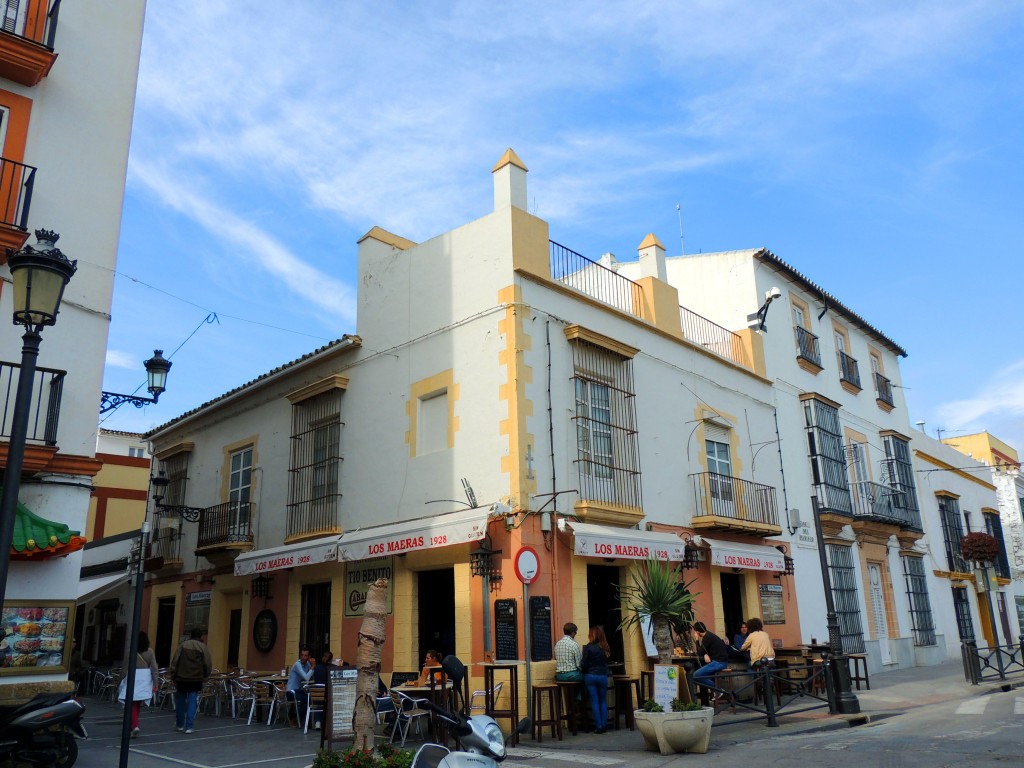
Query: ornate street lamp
<point x="160" y="482"/>
<point x="39" y="275"/>
<point x="156" y="378"/>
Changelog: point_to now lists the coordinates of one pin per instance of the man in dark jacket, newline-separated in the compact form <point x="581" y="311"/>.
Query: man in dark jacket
<point x="191" y="665"/>
<point x="713" y="651"/>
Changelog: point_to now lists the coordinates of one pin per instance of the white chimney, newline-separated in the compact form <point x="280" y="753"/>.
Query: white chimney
<point x="652" y="258"/>
<point x="509" y="181"/>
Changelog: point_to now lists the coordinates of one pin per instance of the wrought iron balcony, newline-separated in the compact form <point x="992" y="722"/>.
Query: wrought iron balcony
<point x="314" y="517"/>
<point x="167" y="544"/>
<point x="848" y="370"/>
<point x="883" y="389"/>
<point x="874" y="501"/>
<point x="28" y="29"/>
<point x="726" y="502"/>
<point x="807" y="346"/>
<point x="576" y="271"/>
<point x="710" y="335"/>
<point x="46" y="396"/>
<point x="16" y="183"/>
<point x="225" y="525"/>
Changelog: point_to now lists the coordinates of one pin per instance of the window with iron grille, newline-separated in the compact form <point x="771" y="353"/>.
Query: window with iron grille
<point x="994" y="526"/>
<point x="962" y="608"/>
<point x="608" y="459"/>
<point x="952" y="532"/>
<point x="844" y="595"/>
<point x="315" y="465"/>
<point x="175" y="469"/>
<point x="898" y="474"/>
<point x="920" y="605"/>
<point x="825" y="450"/>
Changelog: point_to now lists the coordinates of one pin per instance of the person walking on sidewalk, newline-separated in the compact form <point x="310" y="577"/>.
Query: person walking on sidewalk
<point x="146" y="682"/>
<point x="190" y="667"/>
<point x="594" y="666"/>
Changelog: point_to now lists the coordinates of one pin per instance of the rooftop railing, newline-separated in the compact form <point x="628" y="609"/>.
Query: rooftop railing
<point x="712" y="336"/>
<point x="576" y="271"/>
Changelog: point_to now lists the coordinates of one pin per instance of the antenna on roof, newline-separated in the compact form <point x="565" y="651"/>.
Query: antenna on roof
<point x="682" y="244"/>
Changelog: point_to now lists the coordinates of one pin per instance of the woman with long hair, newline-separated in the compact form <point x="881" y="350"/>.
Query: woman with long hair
<point x="594" y="666"/>
<point x="146" y="681"/>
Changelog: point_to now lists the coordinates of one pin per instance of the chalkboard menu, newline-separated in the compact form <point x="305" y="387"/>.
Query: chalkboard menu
<point x="401" y="678"/>
<point x="506" y="631"/>
<point x="773" y="610"/>
<point x="540" y="628"/>
<point x="341" y="704"/>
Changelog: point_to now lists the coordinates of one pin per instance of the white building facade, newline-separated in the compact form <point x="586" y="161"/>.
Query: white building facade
<point x="67" y="90"/>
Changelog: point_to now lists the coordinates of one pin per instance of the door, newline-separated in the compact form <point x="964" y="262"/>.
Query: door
<point x="165" y="612"/>
<point x="720" y="486"/>
<point x="603" y="606"/>
<point x="315" y="621"/>
<point x="732" y="603"/>
<point x="234" y="636"/>
<point x="878" y="612"/>
<point x="436" y="600"/>
<point x="239" y="490"/>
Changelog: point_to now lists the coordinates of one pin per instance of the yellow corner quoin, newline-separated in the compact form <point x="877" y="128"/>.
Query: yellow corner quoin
<point x="509" y="158"/>
<point x="513" y="393"/>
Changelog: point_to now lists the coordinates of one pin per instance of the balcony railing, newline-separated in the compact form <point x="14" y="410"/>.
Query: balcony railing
<point x="44" y="410"/>
<point x="314" y="517"/>
<point x="229" y="523"/>
<point x="712" y="336"/>
<point x="21" y="18"/>
<point x="875" y="501"/>
<point x="883" y="389"/>
<point x="168" y="545"/>
<point x="16" y="182"/>
<point x="807" y="345"/>
<point x="576" y="271"/>
<point x="848" y="370"/>
<point x="730" y="497"/>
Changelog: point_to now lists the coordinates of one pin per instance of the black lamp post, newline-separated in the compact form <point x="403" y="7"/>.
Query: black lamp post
<point x="39" y="275"/>
<point x="138" y="562"/>
<point x="846" y="700"/>
<point x="156" y="379"/>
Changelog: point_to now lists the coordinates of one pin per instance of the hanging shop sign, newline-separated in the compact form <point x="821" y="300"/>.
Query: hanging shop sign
<point x="425" y="533"/>
<point x="358" y="578"/>
<point x="610" y="542"/>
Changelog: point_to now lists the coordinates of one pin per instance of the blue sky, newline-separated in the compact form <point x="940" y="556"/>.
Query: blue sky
<point x="875" y="146"/>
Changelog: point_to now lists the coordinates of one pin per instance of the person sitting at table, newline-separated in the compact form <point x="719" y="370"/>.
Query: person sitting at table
<point x="759" y="644"/>
<point x="300" y="674"/>
<point x="568" y="655"/>
<point x="712" y="650"/>
<point x="432" y="660"/>
<point x="736" y="649"/>
<point x="322" y="671"/>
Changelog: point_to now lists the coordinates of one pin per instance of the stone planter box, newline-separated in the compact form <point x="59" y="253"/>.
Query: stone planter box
<point x="669" y="732"/>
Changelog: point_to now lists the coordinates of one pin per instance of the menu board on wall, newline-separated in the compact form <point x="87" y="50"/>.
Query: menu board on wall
<point x="773" y="610"/>
<point x="341" y="704"/>
<point x="540" y="628"/>
<point x="506" y="630"/>
<point x="36" y="637"/>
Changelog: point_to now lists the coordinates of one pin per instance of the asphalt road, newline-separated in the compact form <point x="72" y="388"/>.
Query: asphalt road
<point x="975" y="731"/>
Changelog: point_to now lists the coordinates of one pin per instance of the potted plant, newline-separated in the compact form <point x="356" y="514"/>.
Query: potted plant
<point x="658" y="593"/>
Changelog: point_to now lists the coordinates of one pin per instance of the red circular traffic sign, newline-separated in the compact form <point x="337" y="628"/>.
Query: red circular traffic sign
<point x="527" y="565"/>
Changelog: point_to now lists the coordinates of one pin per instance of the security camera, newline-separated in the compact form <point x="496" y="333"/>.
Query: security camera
<point x="773" y="293"/>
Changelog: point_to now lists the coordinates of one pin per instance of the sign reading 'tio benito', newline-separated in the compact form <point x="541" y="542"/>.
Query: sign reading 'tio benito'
<point x="358" y="578"/>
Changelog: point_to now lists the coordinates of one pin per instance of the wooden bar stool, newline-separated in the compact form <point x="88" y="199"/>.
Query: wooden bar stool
<point x="859" y="669"/>
<point x="625" y="686"/>
<point x="571" y="698"/>
<point x="550" y="691"/>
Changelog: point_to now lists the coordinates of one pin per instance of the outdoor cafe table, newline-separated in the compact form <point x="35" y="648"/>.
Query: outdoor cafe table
<point x="511" y="668"/>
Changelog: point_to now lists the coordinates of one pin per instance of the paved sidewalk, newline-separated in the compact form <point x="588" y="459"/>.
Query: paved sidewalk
<point x="220" y="742"/>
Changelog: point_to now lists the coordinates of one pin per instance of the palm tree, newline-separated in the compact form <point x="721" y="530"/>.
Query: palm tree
<point x="657" y="593"/>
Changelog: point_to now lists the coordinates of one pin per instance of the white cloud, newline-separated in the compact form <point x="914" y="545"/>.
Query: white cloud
<point x="997" y="406"/>
<point x="118" y="359"/>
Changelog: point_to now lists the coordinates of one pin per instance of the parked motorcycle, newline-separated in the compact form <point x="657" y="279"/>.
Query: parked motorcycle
<point x="483" y="744"/>
<point x="42" y="731"/>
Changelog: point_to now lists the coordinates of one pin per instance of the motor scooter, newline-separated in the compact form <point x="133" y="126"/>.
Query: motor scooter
<point x="42" y="731"/>
<point x="483" y="744"/>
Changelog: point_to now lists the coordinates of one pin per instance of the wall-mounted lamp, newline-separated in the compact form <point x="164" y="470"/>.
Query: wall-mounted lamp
<point x="156" y="382"/>
<point x="757" y="319"/>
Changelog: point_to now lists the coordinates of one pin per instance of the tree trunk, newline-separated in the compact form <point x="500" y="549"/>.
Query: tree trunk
<point x="662" y="636"/>
<point x="371" y="641"/>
